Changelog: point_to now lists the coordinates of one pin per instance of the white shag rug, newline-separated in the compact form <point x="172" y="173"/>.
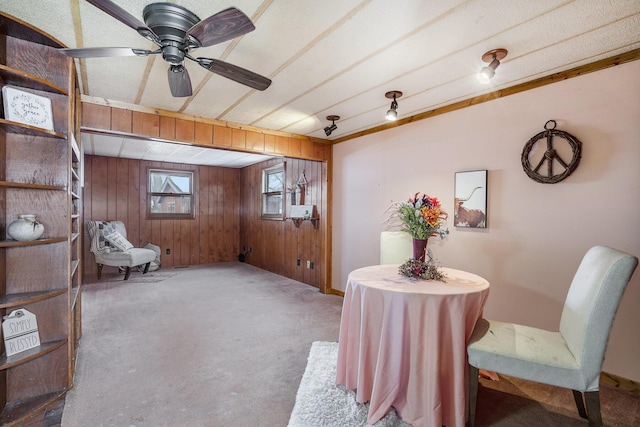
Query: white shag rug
<point x="322" y="403"/>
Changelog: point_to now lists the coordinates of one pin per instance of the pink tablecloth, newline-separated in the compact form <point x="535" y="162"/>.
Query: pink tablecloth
<point x="403" y="343"/>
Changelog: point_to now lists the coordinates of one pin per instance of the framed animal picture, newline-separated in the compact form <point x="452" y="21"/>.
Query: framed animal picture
<point x="470" y="199"/>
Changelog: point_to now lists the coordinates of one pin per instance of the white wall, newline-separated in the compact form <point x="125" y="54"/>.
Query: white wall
<point x="537" y="233"/>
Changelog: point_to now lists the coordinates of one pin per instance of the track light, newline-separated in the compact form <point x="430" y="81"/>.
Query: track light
<point x="329" y="129"/>
<point x="392" y="113"/>
<point x="493" y="57"/>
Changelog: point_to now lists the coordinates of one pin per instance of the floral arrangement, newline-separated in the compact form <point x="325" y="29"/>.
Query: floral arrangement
<point x="421" y="216"/>
<point x="414" y="268"/>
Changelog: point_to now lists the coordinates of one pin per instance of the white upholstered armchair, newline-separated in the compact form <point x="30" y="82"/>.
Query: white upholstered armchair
<point x="110" y="247"/>
<point x="571" y="357"/>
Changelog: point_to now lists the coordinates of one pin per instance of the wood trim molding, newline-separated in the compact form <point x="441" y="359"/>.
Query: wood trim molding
<point x="621" y="383"/>
<point x="86" y="99"/>
<point x="335" y="292"/>
<point x="145" y="123"/>
<point x="542" y="81"/>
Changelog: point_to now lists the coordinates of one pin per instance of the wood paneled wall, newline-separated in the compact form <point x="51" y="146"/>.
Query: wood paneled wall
<point x="277" y="245"/>
<point x="227" y="223"/>
<point x="115" y="189"/>
<point x="228" y="200"/>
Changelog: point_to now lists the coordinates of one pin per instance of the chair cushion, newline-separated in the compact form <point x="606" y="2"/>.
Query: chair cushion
<point x="128" y="258"/>
<point x="118" y="241"/>
<point x="525" y="352"/>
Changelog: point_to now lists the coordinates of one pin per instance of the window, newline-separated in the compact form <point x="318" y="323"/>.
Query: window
<point x="273" y="192"/>
<point x="170" y="194"/>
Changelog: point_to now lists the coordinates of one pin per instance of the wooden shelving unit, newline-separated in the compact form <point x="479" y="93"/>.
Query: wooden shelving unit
<point x="75" y="247"/>
<point x="40" y="173"/>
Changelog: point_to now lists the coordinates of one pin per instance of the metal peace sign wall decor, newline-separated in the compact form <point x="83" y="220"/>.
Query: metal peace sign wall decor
<point x="554" y="157"/>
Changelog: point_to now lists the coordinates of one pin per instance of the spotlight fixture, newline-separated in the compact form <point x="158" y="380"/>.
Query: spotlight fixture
<point x="329" y="129"/>
<point x="493" y="57"/>
<point x="392" y="113"/>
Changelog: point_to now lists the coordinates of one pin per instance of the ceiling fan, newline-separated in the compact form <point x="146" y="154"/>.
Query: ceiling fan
<point x="177" y="32"/>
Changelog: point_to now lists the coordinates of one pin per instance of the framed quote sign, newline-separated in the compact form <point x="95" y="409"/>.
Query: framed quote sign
<point x="20" y="331"/>
<point x="27" y="108"/>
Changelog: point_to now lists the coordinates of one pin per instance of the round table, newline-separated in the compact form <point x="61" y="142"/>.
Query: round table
<point x="403" y="343"/>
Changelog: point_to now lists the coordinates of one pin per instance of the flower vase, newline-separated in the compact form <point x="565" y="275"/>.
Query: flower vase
<point x="419" y="249"/>
<point x="25" y="228"/>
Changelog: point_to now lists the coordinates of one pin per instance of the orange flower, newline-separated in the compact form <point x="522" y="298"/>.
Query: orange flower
<point x="431" y="215"/>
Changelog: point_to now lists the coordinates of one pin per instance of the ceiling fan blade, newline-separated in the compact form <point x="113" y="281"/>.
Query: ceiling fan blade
<point x="179" y="81"/>
<point x="235" y="73"/>
<point x="126" y="18"/>
<point x="223" y="26"/>
<point x="103" y="52"/>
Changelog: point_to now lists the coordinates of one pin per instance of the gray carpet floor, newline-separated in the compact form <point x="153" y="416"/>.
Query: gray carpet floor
<point x="218" y="345"/>
<point x="227" y="345"/>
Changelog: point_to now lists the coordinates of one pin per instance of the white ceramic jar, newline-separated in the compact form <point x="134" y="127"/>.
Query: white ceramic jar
<point x="25" y="228"/>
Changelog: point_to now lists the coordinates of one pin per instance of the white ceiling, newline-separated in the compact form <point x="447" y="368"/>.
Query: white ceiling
<point x="341" y="56"/>
<point x="165" y="151"/>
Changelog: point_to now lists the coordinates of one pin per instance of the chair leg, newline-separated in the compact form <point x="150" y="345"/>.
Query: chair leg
<point x="592" y="411"/>
<point x="127" y="273"/>
<point x="99" y="271"/>
<point x="592" y="399"/>
<point x="146" y="268"/>
<point x="473" y="395"/>
<point x="577" y="396"/>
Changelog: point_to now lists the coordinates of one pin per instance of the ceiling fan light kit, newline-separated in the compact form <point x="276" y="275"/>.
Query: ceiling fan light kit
<point x="392" y="112"/>
<point x="493" y="57"/>
<point x="329" y="129"/>
<point x="177" y="31"/>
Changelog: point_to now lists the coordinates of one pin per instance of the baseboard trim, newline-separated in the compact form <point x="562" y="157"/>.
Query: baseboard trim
<point x="619" y="382"/>
<point x="335" y="292"/>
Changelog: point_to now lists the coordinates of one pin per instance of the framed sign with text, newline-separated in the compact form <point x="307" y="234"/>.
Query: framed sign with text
<point x="20" y="331"/>
<point x="27" y="108"/>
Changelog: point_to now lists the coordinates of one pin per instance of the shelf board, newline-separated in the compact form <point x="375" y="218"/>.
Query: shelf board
<point x="298" y="221"/>
<point x="21" y="128"/>
<point x="7" y="362"/>
<point x="30" y="186"/>
<point x="74" y="196"/>
<point x="15" y="243"/>
<point x="12" y="76"/>
<point x="76" y="150"/>
<point x="74" y="266"/>
<point x="74" y="236"/>
<point x="23" y="298"/>
<point x="76" y="177"/>
<point x="14" y="413"/>
<point x="74" y="296"/>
